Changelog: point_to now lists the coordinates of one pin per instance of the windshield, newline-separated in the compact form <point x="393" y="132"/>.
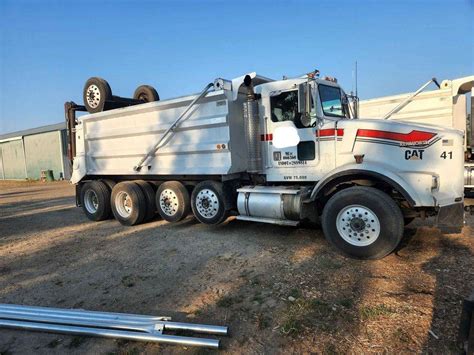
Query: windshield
<point x="331" y="101"/>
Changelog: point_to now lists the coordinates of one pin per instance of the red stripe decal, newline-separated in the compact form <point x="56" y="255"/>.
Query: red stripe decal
<point x="266" y="137"/>
<point x="330" y="132"/>
<point x="413" y="136"/>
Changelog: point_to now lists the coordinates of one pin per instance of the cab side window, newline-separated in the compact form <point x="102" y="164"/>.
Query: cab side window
<point x="284" y="107"/>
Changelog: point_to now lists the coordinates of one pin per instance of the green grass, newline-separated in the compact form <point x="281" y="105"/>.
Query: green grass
<point x="375" y="311"/>
<point x="303" y="313"/>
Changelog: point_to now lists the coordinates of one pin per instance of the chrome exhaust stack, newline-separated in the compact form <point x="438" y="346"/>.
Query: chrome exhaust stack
<point x="252" y="128"/>
<point x="105" y="324"/>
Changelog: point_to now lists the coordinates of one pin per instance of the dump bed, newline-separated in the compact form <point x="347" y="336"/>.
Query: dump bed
<point x="211" y="141"/>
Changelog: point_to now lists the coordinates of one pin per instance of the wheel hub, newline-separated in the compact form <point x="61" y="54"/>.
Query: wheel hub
<point x="358" y="225"/>
<point x="91" y="201"/>
<point x="207" y="203"/>
<point x="93" y="96"/>
<point x="123" y="204"/>
<point x="169" y="202"/>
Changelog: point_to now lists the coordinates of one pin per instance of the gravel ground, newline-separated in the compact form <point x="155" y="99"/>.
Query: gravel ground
<point x="279" y="289"/>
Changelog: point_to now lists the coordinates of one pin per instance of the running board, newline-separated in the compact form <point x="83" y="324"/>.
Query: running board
<point x="282" y="222"/>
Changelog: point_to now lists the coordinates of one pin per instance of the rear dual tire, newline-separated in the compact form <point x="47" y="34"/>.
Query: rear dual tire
<point x="95" y="200"/>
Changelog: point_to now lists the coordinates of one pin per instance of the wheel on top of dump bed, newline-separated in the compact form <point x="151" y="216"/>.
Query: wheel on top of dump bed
<point x="96" y="92"/>
<point x="209" y="202"/>
<point x="95" y="199"/>
<point x="146" y="93"/>
<point x="128" y="203"/>
<point x="172" y="201"/>
<point x="363" y="222"/>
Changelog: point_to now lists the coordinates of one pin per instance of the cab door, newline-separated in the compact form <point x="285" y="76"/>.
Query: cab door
<point x="300" y="162"/>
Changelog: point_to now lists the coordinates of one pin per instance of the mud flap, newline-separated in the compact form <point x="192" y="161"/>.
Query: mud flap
<point x="450" y="218"/>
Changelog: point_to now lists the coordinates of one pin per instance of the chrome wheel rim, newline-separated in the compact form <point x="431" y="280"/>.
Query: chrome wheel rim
<point x="358" y="225"/>
<point x="207" y="203"/>
<point x="169" y="203"/>
<point x="93" y="96"/>
<point x="123" y="204"/>
<point x="91" y="201"/>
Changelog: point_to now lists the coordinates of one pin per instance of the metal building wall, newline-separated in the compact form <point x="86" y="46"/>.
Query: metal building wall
<point x="43" y="151"/>
<point x="13" y="159"/>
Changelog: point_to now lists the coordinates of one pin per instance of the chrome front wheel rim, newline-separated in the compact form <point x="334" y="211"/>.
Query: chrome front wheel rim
<point x="207" y="203"/>
<point x="358" y="225"/>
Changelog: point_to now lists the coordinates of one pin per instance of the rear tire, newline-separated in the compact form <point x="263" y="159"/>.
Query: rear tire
<point x="149" y="194"/>
<point x="363" y="222"/>
<point x="209" y="202"/>
<point x="172" y="201"/>
<point x="146" y="93"/>
<point x="95" y="199"/>
<point x="128" y="203"/>
<point x="96" y="92"/>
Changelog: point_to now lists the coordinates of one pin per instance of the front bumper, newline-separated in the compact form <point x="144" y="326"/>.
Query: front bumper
<point x="450" y="218"/>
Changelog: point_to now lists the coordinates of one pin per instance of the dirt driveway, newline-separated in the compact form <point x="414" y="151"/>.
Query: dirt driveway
<point x="279" y="289"/>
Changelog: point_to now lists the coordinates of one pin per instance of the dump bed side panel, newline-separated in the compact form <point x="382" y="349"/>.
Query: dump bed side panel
<point x="431" y="107"/>
<point x="114" y="141"/>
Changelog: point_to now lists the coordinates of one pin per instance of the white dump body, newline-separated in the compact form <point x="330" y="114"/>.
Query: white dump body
<point x="210" y="142"/>
<point x="446" y="106"/>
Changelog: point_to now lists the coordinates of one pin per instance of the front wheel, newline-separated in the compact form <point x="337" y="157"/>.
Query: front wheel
<point x="363" y="222"/>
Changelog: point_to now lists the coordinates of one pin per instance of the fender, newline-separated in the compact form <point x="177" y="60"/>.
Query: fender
<point x="378" y="171"/>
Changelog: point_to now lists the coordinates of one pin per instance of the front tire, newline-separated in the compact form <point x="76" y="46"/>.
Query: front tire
<point x="95" y="199"/>
<point x="363" y="222"/>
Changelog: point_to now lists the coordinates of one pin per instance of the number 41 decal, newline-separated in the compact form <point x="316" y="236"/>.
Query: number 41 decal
<point x="446" y="155"/>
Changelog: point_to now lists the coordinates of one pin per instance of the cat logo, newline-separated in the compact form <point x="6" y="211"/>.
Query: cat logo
<point x="416" y="154"/>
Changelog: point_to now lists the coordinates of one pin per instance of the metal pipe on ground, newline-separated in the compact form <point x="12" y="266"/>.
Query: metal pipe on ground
<point x="110" y="333"/>
<point x="121" y="325"/>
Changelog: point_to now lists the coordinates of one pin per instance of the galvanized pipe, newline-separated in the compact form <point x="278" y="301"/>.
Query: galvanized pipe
<point x="106" y="324"/>
<point x="110" y="333"/>
<point x="119" y="319"/>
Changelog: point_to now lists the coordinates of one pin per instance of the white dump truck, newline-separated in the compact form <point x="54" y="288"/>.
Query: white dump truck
<point x="272" y="151"/>
<point x="450" y="105"/>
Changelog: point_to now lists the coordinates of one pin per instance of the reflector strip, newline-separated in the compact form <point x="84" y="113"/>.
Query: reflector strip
<point x="330" y="132"/>
<point x="266" y="137"/>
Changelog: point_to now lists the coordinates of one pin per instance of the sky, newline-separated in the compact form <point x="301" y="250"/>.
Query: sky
<point x="48" y="49"/>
